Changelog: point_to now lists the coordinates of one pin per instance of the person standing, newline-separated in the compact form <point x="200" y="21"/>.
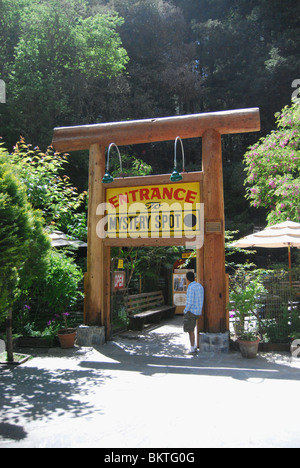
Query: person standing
<point x="193" y="308"/>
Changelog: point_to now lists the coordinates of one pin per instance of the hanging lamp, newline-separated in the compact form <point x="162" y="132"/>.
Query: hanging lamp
<point x="108" y="178"/>
<point x="176" y="176"/>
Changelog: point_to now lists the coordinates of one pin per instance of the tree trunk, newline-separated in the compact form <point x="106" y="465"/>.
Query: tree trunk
<point x="9" y="341"/>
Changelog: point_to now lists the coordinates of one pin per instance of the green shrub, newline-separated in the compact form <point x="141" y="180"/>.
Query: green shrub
<point x="21" y="239"/>
<point x="55" y="292"/>
<point x="23" y="243"/>
<point x="282" y="328"/>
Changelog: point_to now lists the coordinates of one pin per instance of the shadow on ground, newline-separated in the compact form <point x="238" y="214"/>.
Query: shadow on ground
<point x="31" y="394"/>
<point x="63" y="382"/>
<point x="164" y="351"/>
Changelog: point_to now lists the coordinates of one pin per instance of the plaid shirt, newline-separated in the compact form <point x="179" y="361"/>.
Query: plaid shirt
<point x="194" y="298"/>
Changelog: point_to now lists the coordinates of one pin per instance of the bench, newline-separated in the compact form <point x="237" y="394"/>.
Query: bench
<point x="147" y="308"/>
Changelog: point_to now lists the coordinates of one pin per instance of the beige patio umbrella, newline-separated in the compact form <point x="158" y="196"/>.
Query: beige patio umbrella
<point x="60" y="239"/>
<point x="286" y="234"/>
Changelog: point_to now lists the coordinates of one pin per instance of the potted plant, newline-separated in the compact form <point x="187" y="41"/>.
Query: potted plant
<point x="62" y="292"/>
<point x="66" y="335"/>
<point x="246" y="291"/>
<point x="248" y="342"/>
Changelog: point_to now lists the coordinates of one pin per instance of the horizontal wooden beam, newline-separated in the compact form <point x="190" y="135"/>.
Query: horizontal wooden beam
<point x="154" y="180"/>
<point x="152" y="130"/>
<point x="151" y="242"/>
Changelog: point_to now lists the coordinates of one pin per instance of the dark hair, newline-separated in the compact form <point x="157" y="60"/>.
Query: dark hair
<point x="190" y="276"/>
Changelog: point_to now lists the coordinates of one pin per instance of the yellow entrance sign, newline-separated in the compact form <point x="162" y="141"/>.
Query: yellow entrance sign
<point x="170" y="210"/>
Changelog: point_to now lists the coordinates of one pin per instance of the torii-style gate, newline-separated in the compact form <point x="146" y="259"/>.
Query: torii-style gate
<point x="211" y="257"/>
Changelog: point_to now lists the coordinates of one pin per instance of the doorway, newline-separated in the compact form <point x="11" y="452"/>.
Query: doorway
<point x="138" y="271"/>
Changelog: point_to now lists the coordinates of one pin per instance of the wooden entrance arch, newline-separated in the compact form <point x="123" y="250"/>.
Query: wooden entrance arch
<point x="211" y="257"/>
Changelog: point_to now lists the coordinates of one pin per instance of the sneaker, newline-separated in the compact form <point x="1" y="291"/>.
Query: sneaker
<point x="192" y="351"/>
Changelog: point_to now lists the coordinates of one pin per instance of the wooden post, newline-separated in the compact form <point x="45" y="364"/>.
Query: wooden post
<point x="106" y="288"/>
<point x="200" y="279"/>
<point x="214" y="238"/>
<point x="94" y="282"/>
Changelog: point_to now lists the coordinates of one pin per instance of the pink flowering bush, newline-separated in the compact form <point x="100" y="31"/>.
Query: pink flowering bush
<point x="273" y="168"/>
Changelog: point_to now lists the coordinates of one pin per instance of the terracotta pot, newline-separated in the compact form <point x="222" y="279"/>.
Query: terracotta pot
<point x="67" y="337"/>
<point x="249" y="348"/>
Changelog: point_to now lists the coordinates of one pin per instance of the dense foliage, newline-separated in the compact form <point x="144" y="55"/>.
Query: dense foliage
<point x="53" y="56"/>
<point x="35" y="281"/>
<point x="49" y="189"/>
<point x="86" y="61"/>
<point x="273" y="168"/>
<point x="23" y="244"/>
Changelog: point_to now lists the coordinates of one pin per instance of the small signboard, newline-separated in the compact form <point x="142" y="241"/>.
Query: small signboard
<point x="119" y="280"/>
<point x="186" y="255"/>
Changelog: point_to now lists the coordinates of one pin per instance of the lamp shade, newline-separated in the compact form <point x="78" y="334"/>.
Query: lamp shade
<point x="175" y="176"/>
<point x="107" y="178"/>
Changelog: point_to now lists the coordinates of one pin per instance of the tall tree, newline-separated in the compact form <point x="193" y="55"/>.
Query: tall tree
<point x="162" y="59"/>
<point x="248" y="54"/>
<point x="59" y="56"/>
<point x="162" y="72"/>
